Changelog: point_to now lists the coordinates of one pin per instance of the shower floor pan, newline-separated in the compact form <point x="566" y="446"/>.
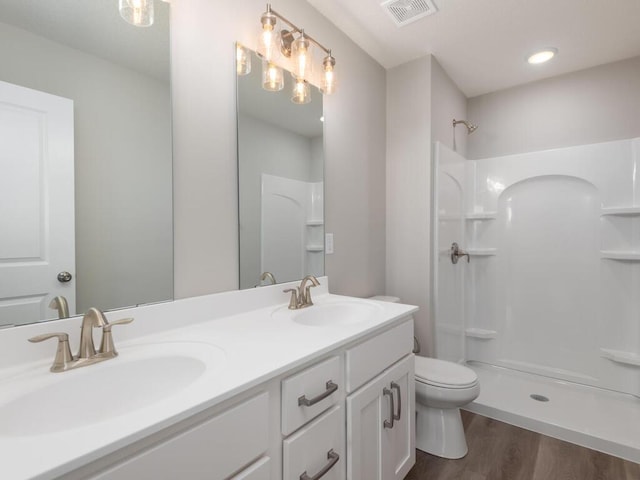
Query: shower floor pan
<point x="598" y="419"/>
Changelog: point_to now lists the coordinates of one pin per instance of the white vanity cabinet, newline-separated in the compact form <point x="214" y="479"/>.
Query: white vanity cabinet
<point x="346" y="414"/>
<point x="381" y="413"/>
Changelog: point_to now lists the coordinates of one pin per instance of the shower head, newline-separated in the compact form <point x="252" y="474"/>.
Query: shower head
<point x="470" y="126"/>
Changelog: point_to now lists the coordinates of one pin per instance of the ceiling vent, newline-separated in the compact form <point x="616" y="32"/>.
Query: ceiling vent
<point x="404" y="12"/>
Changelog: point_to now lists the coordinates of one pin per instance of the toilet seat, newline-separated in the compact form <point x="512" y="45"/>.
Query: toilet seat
<point x="440" y="373"/>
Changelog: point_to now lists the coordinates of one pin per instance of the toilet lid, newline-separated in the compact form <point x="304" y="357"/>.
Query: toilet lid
<point x="444" y="374"/>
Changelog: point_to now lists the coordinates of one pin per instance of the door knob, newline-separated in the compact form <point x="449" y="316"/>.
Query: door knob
<point x="64" y="277"/>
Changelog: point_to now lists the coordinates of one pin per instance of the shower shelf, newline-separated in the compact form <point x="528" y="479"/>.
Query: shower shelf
<point x="630" y="255"/>
<point x="315" y="248"/>
<point x="482" y="252"/>
<point x="621" y="211"/>
<point x="314" y="223"/>
<point x="618" y="356"/>
<point x="481" y="216"/>
<point x="481" y="333"/>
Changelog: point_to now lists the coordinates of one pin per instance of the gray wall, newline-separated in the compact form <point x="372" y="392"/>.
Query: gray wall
<point x="205" y="178"/>
<point x="421" y="103"/>
<point x="447" y="103"/>
<point x="408" y="189"/>
<point x="590" y="106"/>
<point x="122" y="172"/>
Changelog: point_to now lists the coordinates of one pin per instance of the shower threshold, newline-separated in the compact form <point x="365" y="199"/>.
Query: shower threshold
<point x="591" y="417"/>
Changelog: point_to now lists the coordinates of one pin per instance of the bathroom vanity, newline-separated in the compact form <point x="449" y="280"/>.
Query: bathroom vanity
<point x="233" y="385"/>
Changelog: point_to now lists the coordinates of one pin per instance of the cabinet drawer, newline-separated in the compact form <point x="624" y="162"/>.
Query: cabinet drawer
<point x="308" y="450"/>
<point x="368" y="359"/>
<point x="258" y="471"/>
<point x="212" y="450"/>
<point x="313" y="384"/>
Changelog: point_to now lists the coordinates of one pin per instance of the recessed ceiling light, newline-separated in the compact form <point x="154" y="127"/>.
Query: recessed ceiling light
<point x="542" y="56"/>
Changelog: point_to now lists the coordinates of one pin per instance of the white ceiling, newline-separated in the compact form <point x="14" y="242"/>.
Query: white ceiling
<point x="95" y="27"/>
<point x="482" y="44"/>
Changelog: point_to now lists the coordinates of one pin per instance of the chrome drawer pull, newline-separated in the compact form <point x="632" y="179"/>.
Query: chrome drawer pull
<point x="392" y="417"/>
<point x="333" y="458"/>
<point x="303" y="400"/>
<point x="395" y="386"/>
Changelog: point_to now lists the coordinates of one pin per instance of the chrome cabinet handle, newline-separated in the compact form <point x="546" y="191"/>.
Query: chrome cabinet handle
<point x="392" y="409"/>
<point x="303" y="400"/>
<point x="395" y="386"/>
<point x="333" y="458"/>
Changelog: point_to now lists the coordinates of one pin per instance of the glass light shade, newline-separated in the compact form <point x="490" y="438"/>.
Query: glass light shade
<point x="269" y="39"/>
<point x="328" y="82"/>
<point x="301" y="92"/>
<point x="243" y="60"/>
<point x="137" y="12"/>
<point x="302" y="56"/>
<point x="272" y="77"/>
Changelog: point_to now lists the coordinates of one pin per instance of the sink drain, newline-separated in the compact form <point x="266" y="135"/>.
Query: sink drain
<point x="539" y="398"/>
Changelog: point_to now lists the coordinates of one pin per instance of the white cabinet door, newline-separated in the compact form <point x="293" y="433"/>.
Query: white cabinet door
<point x="398" y="442"/>
<point x="380" y="431"/>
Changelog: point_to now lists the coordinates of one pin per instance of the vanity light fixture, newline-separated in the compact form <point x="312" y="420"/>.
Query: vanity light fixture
<point x="297" y="45"/>
<point x="542" y="56"/>
<point x="137" y="12"/>
<point x="243" y="60"/>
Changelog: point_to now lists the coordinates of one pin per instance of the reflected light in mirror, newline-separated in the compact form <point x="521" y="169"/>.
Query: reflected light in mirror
<point x="272" y="77"/>
<point x="301" y="93"/>
<point x="137" y="12"/>
<point x="243" y="60"/>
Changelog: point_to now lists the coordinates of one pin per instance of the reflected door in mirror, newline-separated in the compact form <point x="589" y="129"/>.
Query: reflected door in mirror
<point x="36" y="203"/>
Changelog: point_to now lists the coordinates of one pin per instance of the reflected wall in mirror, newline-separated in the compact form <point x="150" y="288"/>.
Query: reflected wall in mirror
<point x="85" y="159"/>
<point x="281" y="181"/>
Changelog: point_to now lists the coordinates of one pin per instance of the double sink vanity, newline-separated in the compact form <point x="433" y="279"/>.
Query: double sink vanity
<point x="232" y="385"/>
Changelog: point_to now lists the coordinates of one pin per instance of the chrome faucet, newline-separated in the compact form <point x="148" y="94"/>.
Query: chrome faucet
<point x="87" y="354"/>
<point x="301" y="295"/>
<point x="94" y="318"/>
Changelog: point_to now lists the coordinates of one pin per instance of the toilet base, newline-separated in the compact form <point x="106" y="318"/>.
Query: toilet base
<point x="439" y="432"/>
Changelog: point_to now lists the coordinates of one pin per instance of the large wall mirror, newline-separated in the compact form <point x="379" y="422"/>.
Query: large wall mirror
<point x="281" y="181"/>
<point x="85" y="159"/>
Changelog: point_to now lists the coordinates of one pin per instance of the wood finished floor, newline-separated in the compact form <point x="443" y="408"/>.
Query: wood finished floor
<point x="498" y="451"/>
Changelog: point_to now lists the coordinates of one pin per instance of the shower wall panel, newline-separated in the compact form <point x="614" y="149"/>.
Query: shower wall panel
<point x="552" y="287"/>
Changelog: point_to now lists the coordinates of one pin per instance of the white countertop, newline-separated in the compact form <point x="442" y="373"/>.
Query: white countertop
<point x="249" y="347"/>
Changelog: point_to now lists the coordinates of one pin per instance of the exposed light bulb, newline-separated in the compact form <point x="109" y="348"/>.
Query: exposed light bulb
<point x="269" y="38"/>
<point x="301" y="93"/>
<point x="302" y="55"/>
<point x="137" y="12"/>
<point x="243" y="60"/>
<point x="272" y="77"/>
<point x="328" y="83"/>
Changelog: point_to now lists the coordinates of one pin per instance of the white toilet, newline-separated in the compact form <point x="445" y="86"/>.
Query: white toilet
<point x="441" y="389"/>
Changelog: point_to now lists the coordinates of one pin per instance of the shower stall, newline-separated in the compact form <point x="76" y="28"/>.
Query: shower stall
<point x="547" y="310"/>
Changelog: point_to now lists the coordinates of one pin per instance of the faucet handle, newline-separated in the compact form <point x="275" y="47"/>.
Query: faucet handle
<point x="293" y="302"/>
<point x="107" y="348"/>
<point x="63" y="352"/>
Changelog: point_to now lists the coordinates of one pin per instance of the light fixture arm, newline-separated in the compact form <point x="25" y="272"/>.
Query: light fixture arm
<point x="297" y="29"/>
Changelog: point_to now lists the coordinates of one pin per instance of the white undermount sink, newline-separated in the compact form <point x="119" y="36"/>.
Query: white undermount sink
<point x="144" y="374"/>
<point x="333" y="314"/>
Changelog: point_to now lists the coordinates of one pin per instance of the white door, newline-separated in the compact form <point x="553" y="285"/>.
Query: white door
<point x="37" y="239"/>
